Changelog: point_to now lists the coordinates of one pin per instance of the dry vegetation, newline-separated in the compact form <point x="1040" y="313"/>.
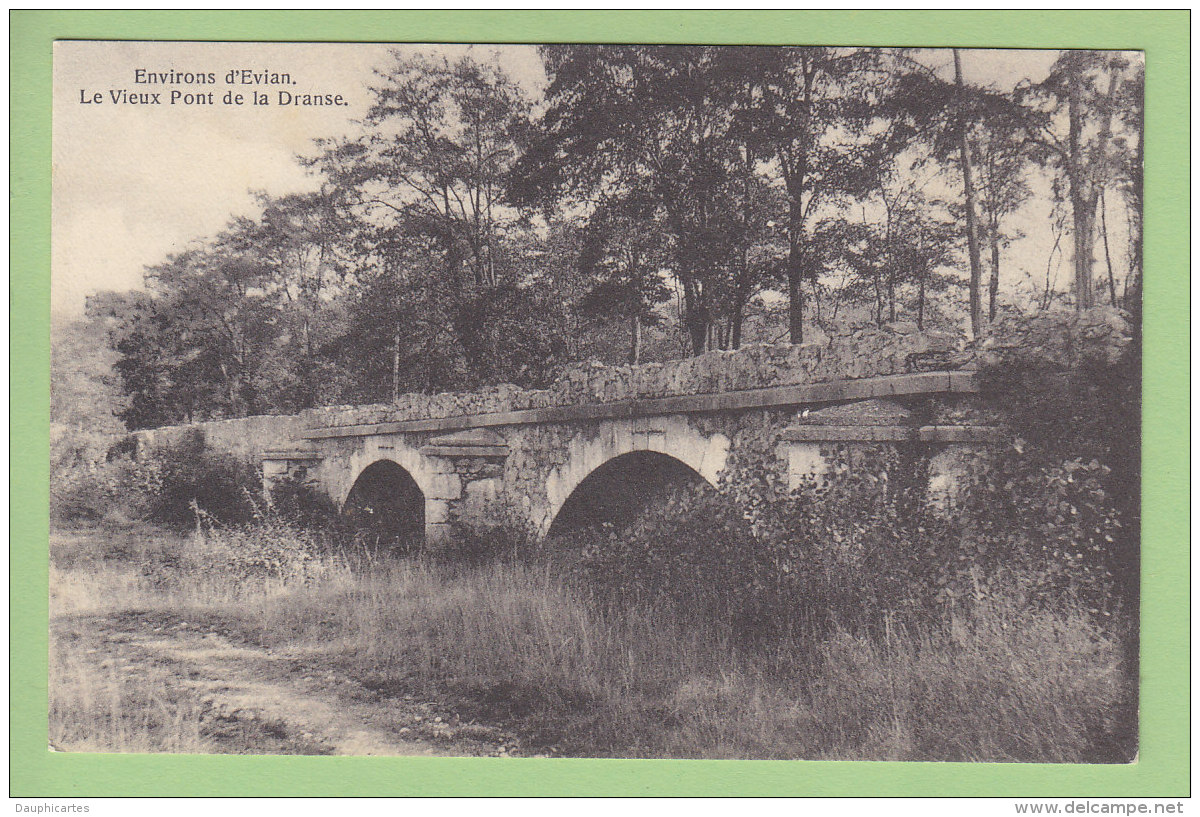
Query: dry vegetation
<point x="98" y="705"/>
<point x="517" y="644"/>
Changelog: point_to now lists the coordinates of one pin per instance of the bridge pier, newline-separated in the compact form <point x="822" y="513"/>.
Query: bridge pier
<point x="469" y="464"/>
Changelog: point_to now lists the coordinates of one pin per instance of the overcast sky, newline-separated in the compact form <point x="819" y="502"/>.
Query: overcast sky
<point x="133" y="183"/>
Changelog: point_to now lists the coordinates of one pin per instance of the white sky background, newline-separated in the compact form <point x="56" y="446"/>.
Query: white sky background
<point x="132" y="184"/>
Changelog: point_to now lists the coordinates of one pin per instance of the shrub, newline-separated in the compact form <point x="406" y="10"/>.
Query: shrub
<point x="269" y="548"/>
<point x="1067" y="494"/>
<point x="302" y="503"/>
<point x="77" y="494"/>
<point x="175" y="478"/>
<point x="772" y="562"/>
<point x="299" y="505"/>
<point x="96" y="491"/>
<point x="162" y="486"/>
<point x="692" y="549"/>
<point x="861" y="545"/>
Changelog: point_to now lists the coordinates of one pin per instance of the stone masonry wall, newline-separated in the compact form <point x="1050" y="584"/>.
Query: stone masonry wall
<point x="857" y="352"/>
<point x="245" y="437"/>
<point x="1063" y="337"/>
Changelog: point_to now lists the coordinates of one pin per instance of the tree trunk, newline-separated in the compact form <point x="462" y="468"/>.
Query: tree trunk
<point x="795" y="272"/>
<point x="969" y="195"/>
<point x="1098" y="169"/>
<point x="891" y="292"/>
<point x="1112" y="285"/>
<point x="697" y="323"/>
<point x="795" y="296"/>
<point x="795" y="183"/>
<point x="635" y="337"/>
<point x="743" y="273"/>
<point x="1081" y="215"/>
<point x="1050" y="263"/>
<point x="396" y="365"/>
<point x="994" y="281"/>
<point x="1138" y="182"/>
<point x="921" y="302"/>
<point x="816" y="302"/>
<point x="878" y="299"/>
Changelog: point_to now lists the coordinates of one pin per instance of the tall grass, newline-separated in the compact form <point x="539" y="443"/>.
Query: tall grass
<point x="998" y="682"/>
<point x="996" y="679"/>
<point x="101" y="706"/>
<point x="96" y="570"/>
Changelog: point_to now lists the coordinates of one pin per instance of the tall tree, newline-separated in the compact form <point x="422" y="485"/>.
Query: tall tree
<point x="980" y="132"/>
<point x="964" y="150"/>
<point x="300" y="242"/>
<point x="1128" y="162"/>
<point x="624" y="255"/>
<point x="648" y="121"/>
<point x="1071" y="118"/>
<point x="429" y="169"/>
<point x="439" y="140"/>
<point x="1003" y="159"/>
<point x="190" y="346"/>
<point x="810" y="98"/>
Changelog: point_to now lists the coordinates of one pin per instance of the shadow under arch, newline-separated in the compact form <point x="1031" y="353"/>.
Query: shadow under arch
<point x="622" y="489"/>
<point x="386" y="501"/>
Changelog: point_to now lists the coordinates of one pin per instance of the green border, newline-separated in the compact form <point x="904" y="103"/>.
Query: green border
<point x="1163" y="768"/>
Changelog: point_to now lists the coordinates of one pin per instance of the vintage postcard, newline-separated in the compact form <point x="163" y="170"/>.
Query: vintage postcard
<point x="566" y="400"/>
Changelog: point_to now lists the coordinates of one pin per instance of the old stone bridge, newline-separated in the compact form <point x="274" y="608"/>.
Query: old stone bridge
<point x="602" y="437"/>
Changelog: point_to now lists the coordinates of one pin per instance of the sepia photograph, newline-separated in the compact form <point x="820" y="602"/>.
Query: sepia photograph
<point x="596" y="401"/>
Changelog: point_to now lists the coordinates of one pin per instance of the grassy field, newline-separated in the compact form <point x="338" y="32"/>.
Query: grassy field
<point x="515" y="644"/>
<point x="104" y="705"/>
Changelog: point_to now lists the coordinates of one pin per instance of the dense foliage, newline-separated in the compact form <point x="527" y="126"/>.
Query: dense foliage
<point x="1050" y="519"/>
<point x="648" y="202"/>
<point x="171" y="485"/>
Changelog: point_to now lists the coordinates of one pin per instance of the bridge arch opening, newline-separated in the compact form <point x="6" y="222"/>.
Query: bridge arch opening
<point x="386" y="503"/>
<point x="622" y="489"/>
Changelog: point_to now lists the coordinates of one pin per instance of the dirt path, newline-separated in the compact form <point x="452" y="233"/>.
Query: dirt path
<point x="256" y="700"/>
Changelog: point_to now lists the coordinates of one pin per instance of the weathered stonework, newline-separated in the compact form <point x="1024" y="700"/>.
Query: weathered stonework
<point x="791" y="414"/>
<point x="1063" y="337"/>
<point x="517" y="456"/>
<point x="246" y="437"/>
<point x="859" y="352"/>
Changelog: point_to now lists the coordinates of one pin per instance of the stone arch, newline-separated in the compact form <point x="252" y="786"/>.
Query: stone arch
<point x="385" y="497"/>
<point x="434" y="476"/>
<point x="425" y="471"/>
<point x="622" y="489"/>
<point x="672" y="436"/>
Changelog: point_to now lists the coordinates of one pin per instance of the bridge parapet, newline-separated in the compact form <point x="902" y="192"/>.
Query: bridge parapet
<point x="858" y="352"/>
